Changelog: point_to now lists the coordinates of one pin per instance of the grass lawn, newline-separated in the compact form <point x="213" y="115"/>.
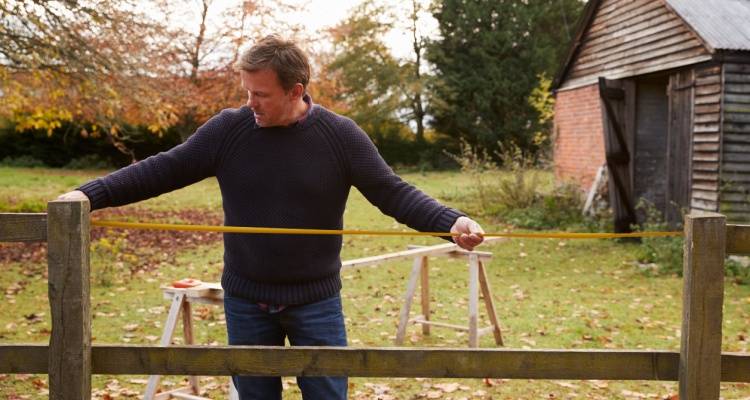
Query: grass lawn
<point x="548" y="294"/>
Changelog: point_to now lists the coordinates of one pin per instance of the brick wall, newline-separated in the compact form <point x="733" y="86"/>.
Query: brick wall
<point x="579" y="141"/>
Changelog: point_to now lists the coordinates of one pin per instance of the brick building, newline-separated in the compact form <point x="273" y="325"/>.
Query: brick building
<point x="659" y="92"/>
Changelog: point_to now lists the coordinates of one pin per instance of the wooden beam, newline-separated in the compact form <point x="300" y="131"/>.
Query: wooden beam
<point x="24" y="358"/>
<point x="421" y="251"/>
<point x="389" y="362"/>
<point x="23" y="227"/>
<point x="68" y="233"/>
<point x="405" y="362"/>
<point x="738" y="239"/>
<point x="702" y="301"/>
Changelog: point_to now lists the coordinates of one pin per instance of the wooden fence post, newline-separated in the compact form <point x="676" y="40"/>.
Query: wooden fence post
<point x="68" y="233"/>
<point x="702" y="300"/>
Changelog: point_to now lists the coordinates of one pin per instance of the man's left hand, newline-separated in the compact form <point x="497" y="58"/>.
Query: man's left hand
<point x="467" y="233"/>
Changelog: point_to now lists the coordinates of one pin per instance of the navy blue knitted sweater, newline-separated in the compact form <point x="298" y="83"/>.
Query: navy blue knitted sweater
<point x="288" y="177"/>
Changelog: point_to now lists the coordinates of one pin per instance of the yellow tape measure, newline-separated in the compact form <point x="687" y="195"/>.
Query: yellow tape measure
<point x="300" y="231"/>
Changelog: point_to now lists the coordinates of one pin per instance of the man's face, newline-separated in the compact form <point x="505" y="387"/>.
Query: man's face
<point x="272" y="105"/>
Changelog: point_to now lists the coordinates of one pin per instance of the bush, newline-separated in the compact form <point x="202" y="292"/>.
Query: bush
<point x="22" y="161"/>
<point x="665" y="252"/>
<point x="89" y="161"/>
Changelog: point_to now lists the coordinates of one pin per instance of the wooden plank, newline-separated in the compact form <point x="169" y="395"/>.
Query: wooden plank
<point x="706" y="137"/>
<point x="731" y="177"/>
<point x="739" y="88"/>
<point x="742" y="157"/>
<point x="737" y="108"/>
<point x="734" y="98"/>
<point x="610" y="48"/>
<point x="708" y="99"/>
<point x="739" y="167"/>
<point x="425" y="293"/>
<point x="394" y="362"/>
<point x="708" y="89"/>
<point x="23" y="227"/>
<point x="738" y="204"/>
<point x="411" y="287"/>
<point x="737" y="217"/>
<point x="419" y="319"/>
<point x="706" y="146"/>
<point x="706" y="185"/>
<point x="737" y="117"/>
<point x="706" y="205"/>
<point x="706" y="176"/>
<point x="473" y="301"/>
<point x="737" y="68"/>
<point x="68" y="233"/>
<point x="384" y="362"/>
<point x="166" y="339"/>
<point x="736" y="138"/>
<point x="489" y="303"/>
<point x="707" y="118"/>
<point x="706" y="166"/>
<point x="705" y="156"/>
<point x="24" y="358"/>
<point x="743" y="197"/>
<point x="708" y="70"/>
<point x="738" y="148"/>
<point x="458" y="253"/>
<point x="736" y="128"/>
<point x="705" y="80"/>
<point x="187" y="331"/>
<point x="736" y="78"/>
<point x="705" y="195"/>
<point x="706" y="128"/>
<point x="738" y="239"/>
<point x="712" y="108"/>
<point x="703" y="298"/>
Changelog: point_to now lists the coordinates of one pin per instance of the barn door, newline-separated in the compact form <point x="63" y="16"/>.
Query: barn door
<point x="679" y="144"/>
<point x="618" y="145"/>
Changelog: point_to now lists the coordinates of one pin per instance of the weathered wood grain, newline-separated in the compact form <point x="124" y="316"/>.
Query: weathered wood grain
<point x="738" y="239"/>
<point x="702" y="301"/>
<point x="23" y="227"/>
<point x="68" y="232"/>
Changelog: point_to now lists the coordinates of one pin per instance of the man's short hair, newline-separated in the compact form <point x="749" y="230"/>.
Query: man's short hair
<point x="280" y="55"/>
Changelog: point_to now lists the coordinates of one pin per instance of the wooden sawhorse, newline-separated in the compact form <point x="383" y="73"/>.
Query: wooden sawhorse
<point x="477" y="280"/>
<point x="207" y="293"/>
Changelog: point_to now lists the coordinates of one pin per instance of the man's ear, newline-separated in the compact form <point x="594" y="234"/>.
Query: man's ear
<point x="297" y="91"/>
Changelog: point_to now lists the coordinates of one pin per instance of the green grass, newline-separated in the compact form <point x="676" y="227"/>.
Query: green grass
<point x="548" y="294"/>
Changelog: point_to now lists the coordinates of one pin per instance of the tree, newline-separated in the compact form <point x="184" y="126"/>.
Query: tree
<point x="487" y="63"/>
<point x="369" y="75"/>
<point x="68" y="61"/>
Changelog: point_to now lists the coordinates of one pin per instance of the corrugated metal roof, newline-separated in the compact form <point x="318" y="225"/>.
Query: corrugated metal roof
<point x="722" y="24"/>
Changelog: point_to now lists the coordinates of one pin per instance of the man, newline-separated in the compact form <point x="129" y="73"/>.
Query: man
<point x="282" y="161"/>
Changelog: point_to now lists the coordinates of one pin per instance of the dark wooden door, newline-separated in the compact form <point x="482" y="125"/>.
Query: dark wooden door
<point x="650" y="154"/>
<point x="617" y="117"/>
<point x="679" y="145"/>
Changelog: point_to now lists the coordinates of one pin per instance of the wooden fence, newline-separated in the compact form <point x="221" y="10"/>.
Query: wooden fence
<point x="70" y="359"/>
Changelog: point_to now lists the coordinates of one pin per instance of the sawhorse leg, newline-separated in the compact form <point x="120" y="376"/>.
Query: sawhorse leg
<point x="179" y="303"/>
<point x="411" y="287"/>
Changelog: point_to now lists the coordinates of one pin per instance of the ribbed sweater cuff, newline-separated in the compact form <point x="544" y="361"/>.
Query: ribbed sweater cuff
<point x="96" y="192"/>
<point x="446" y="220"/>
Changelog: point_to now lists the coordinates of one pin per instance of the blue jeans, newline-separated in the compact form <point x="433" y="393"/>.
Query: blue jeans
<point x="315" y="324"/>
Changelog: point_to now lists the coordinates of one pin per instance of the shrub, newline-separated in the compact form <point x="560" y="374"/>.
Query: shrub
<point x="89" y="161"/>
<point x="22" y="161"/>
<point x="665" y="252"/>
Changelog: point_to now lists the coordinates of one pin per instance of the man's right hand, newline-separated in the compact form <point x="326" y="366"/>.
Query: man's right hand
<point x="74" y="195"/>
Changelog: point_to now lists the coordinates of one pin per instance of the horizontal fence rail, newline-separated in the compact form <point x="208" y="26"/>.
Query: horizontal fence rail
<point x="376" y="362"/>
<point x="23" y="227"/>
<point x="738" y="239"/>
